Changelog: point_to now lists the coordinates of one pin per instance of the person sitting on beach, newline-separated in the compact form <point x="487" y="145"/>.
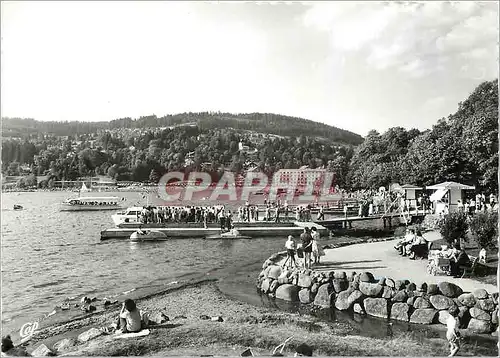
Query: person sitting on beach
<point x="8" y="349"/>
<point x="130" y="319"/>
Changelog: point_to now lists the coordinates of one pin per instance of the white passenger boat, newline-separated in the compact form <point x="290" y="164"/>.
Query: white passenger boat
<point x="91" y="203"/>
<point x="130" y="215"/>
<point x="147" y="235"/>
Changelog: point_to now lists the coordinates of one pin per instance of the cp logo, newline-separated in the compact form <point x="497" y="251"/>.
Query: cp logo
<point x="28" y="329"/>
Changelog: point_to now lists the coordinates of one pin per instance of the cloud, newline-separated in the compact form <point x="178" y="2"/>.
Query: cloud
<point x="416" y="38"/>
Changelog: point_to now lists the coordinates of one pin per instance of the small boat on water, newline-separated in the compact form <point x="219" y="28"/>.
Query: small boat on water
<point x="18" y="207"/>
<point x="147" y="235"/>
<point x="230" y="235"/>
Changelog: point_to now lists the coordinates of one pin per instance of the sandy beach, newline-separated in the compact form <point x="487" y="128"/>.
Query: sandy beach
<point x="191" y="330"/>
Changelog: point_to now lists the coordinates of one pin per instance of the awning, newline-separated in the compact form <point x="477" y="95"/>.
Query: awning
<point x="438" y="195"/>
<point x="450" y="185"/>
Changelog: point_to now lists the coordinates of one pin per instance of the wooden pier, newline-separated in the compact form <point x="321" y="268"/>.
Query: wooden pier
<point x="196" y="230"/>
<point x="346" y="221"/>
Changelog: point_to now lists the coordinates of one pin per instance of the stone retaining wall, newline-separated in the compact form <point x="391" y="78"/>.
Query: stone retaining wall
<point x="380" y="297"/>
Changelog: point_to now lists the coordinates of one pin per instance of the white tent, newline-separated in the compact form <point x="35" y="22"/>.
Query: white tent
<point x="454" y="191"/>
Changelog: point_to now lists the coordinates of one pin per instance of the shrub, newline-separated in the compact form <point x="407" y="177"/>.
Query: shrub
<point x="454" y="227"/>
<point x="484" y="228"/>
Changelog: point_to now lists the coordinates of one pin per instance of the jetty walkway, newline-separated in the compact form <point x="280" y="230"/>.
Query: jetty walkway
<point x="196" y="230"/>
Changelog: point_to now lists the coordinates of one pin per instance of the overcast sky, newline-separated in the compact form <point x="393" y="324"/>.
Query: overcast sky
<point x="357" y="66"/>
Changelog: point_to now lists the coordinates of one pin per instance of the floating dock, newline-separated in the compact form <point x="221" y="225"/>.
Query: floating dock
<point x="196" y="230"/>
<point x="408" y="217"/>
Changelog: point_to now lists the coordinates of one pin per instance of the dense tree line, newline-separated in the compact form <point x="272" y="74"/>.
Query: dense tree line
<point x="462" y="147"/>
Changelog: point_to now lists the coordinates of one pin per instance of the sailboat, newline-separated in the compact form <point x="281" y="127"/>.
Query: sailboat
<point x="91" y="203"/>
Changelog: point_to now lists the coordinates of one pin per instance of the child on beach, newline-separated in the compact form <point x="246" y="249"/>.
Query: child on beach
<point x="290" y="249"/>
<point x="130" y="319"/>
<point x="452" y="333"/>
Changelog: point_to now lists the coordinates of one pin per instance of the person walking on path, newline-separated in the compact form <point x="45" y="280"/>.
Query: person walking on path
<point x="306" y="239"/>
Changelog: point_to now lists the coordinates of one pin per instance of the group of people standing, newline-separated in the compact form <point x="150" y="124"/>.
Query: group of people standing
<point x="308" y="249"/>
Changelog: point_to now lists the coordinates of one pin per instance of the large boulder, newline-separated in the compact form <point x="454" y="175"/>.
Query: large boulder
<point x="42" y="351"/>
<point x="421" y="302"/>
<point x="432" y="289"/>
<point x="399" y="285"/>
<point x="479" y="326"/>
<point x="340" y="275"/>
<point x="480" y="293"/>
<point x="443" y="316"/>
<point x="422" y="287"/>
<point x="424" y="316"/>
<point x="266" y="264"/>
<point x="400" y="311"/>
<point x="411" y="300"/>
<point x="357" y="308"/>
<point x="65" y="344"/>
<point x="340" y="285"/>
<point x="400" y="296"/>
<point x="376" y="307"/>
<point x="304" y="281"/>
<point x="370" y="289"/>
<point x="449" y="289"/>
<point x="467" y="299"/>
<point x="346" y="299"/>
<point x="159" y="317"/>
<point x="463" y="316"/>
<point x="441" y="302"/>
<point x="388" y="293"/>
<point x="390" y="282"/>
<point x="324" y="296"/>
<point x="411" y="287"/>
<point x="314" y="287"/>
<point x="266" y="284"/>
<point x="273" y="271"/>
<point x="487" y="304"/>
<point x="288" y="292"/>
<point x="494" y="316"/>
<point x="274" y="285"/>
<point x="305" y="296"/>
<point x="366" y="277"/>
<point x="478" y="313"/>
<point x="90" y="334"/>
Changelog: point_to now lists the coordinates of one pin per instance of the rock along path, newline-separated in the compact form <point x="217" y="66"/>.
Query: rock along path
<point x="382" y="260"/>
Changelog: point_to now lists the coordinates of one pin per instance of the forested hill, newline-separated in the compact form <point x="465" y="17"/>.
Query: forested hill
<point x="260" y="122"/>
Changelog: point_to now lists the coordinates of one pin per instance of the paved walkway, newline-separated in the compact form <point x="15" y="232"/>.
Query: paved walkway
<point x="381" y="259"/>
